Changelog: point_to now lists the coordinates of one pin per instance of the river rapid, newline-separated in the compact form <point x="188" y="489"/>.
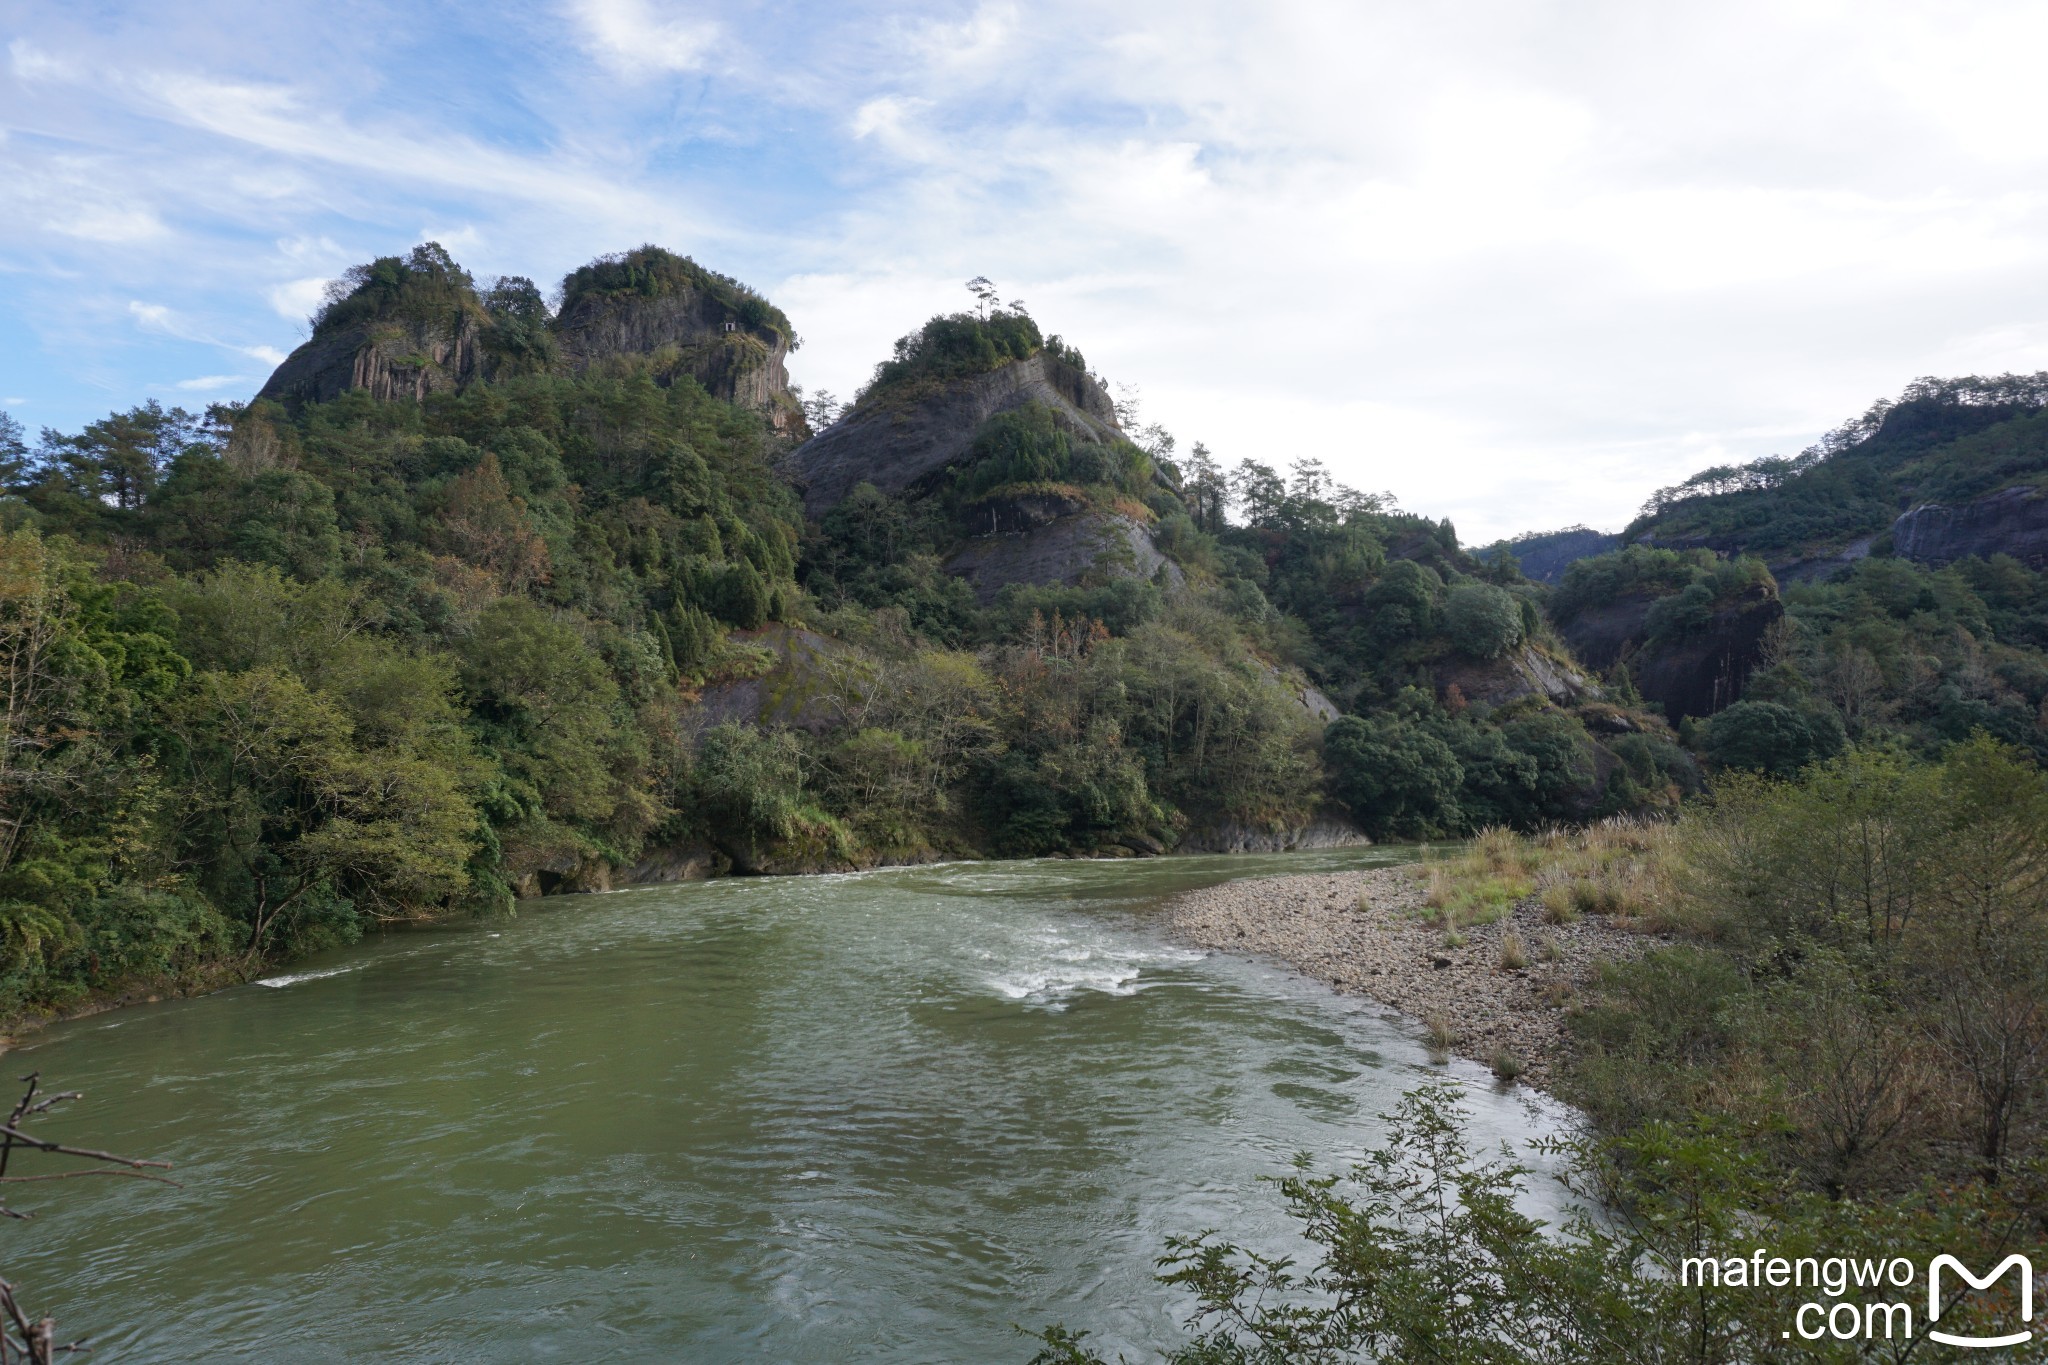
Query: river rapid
<point x="874" y="1117"/>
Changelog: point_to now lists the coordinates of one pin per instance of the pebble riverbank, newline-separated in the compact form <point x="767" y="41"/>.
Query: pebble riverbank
<point x="1363" y="933"/>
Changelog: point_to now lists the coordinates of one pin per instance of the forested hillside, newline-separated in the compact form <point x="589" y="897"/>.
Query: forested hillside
<point x="489" y="595"/>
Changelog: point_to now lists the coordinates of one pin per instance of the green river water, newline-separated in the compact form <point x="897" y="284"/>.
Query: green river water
<point x="871" y="1117"/>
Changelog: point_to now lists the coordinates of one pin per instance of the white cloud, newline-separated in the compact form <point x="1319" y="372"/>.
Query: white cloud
<point x="156" y="317"/>
<point x="31" y="63"/>
<point x="632" y="39"/>
<point x="1520" y="264"/>
<point x="295" y="300"/>
<point x="213" y="383"/>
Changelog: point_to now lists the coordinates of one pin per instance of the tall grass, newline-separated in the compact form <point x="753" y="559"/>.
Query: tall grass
<point x="1624" y="869"/>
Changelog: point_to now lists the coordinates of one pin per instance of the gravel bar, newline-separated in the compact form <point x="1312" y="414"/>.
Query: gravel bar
<point x="1364" y="934"/>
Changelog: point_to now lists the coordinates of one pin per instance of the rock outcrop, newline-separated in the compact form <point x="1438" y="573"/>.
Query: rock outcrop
<point x="687" y="330"/>
<point x="417" y="326"/>
<point x="797" y="683"/>
<point x="1695" y="674"/>
<point x="900" y="437"/>
<point x="1523" y="671"/>
<point x="1230" y="836"/>
<point x="1065" y="551"/>
<point x="389" y="358"/>
<point x="2011" y="521"/>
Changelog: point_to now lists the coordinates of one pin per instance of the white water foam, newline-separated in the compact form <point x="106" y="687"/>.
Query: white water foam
<point x="1050" y="967"/>
<point x="280" y="982"/>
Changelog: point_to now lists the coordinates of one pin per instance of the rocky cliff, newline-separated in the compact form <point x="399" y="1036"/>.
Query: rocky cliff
<point x="1523" y="671"/>
<point x="1065" y="551"/>
<point x="404" y="328"/>
<point x="1692" y="674"/>
<point x="2012" y="521"/>
<point x="895" y="439"/>
<point x="691" y="321"/>
<point x="389" y="357"/>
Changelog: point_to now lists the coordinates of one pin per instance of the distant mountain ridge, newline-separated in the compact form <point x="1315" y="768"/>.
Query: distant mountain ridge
<point x="1952" y="469"/>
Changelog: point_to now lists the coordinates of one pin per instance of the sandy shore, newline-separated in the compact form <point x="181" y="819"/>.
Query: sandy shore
<point x="1361" y="933"/>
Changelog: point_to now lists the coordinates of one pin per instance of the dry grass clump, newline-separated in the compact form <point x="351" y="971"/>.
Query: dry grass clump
<point x="1506" y="1066"/>
<point x="1514" y="954"/>
<point x="1480" y="885"/>
<point x="1622" y="868"/>
<point x="1559" y="905"/>
<point x="1442" y="1037"/>
<point x="1547" y="948"/>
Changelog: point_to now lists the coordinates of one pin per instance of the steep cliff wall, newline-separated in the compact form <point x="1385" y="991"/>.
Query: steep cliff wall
<point x="412" y="326"/>
<point x="1692" y="674"/>
<point x="1062" y="552"/>
<point x="391" y="358"/>
<point x="2012" y="521"/>
<point x="897" y="438"/>
<point x="689" y="331"/>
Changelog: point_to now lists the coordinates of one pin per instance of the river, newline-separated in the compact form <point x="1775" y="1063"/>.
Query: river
<point x="877" y="1117"/>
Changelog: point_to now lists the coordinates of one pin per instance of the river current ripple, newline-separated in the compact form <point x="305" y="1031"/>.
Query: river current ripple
<point x="878" y="1117"/>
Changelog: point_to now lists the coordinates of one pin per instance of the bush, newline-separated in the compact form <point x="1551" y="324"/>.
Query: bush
<point x="1770" y="737"/>
<point x="955" y="346"/>
<point x="1482" y="620"/>
<point x="1397" y="779"/>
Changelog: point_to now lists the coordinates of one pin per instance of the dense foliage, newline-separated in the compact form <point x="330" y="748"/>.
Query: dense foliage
<point x="280" y="676"/>
<point x="1940" y="441"/>
<point x="653" y="272"/>
<point x="961" y="345"/>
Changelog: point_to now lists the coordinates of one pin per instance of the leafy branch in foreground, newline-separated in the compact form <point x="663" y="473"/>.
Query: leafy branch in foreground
<point x="1424" y="1256"/>
<point x="36" y="1342"/>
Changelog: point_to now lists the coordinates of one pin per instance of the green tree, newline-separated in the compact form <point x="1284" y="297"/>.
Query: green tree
<point x="1397" y="778"/>
<point x="1482" y="620"/>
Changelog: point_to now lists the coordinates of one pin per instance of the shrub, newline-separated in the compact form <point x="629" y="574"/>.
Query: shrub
<point x="1482" y="620"/>
<point x="1397" y="778"/>
<point x="1770" y="737"/>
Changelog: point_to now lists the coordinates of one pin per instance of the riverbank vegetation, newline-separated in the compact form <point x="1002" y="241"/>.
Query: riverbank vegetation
<point x="1837" y="1044"/>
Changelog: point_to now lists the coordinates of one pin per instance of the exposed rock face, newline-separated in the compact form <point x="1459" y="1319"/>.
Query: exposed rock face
<point x="391" y="358"/>
<point x="1061" y="552"/>
<point x="691" y="863"/>
<point x="2011" y="521"/>
<point x="694" y="333"/>
<point x="1820" y="568"/>
<point x="798" y="688"/>
<point x="1695" y="675"/>
<point x="437" y="336"/>
<point x="1521" y="672"/>
<point x="1311" y="699"/>
<point x="898" y="438"/>
<point x="1325" y="831"/>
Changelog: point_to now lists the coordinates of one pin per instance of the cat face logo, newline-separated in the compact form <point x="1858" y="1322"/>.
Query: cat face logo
<point x="2017" y="1262"/>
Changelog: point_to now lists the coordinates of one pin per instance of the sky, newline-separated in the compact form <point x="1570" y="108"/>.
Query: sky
<point x="1517" y="262"/>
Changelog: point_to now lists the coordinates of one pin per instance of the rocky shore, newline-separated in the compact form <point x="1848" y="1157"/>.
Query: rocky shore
<point x="1364" y="933"/>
